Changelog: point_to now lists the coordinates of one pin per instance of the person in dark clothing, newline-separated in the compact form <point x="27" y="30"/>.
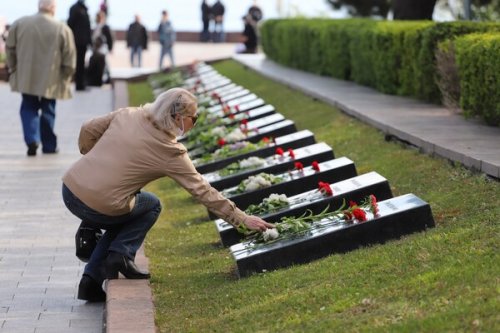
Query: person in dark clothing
<point x="218" y="10"/>
<point x="255" y="12"/>
<point x="79" y="22"/>
<point x="206" y="13"/>
<point x="97" y="63"/>
<point x="105" y="36"/>
<point x="249" y="36"/>
<point x="137" y="40"/>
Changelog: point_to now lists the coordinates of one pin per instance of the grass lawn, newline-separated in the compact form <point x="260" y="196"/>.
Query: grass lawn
<point x="443" y="280"/>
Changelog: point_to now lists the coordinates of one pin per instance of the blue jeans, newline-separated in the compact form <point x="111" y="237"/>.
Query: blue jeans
<point x="167" y="49"/>
<point x="124" y="234"/>
<point x="136" y="51"/>
<point x="39" y="127"/>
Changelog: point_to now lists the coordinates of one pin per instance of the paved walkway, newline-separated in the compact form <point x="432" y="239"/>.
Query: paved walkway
<point x="39" y="273"/>
<point x="434" y="129"/>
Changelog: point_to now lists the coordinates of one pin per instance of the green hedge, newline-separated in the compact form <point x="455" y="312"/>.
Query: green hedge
<point x="478" y="60"/>
<point x="425" y="86"/>
<point x="395" y="57"/>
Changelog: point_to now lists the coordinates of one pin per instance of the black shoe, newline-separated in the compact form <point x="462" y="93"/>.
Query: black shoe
<point x="90" y="290"/>
<point x="116" y="262"/>
<point x="32" y="147"/>
<point x="55" y="151"/>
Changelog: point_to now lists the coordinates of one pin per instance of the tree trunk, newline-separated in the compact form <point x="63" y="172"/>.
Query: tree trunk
<point x="413" y="9"/>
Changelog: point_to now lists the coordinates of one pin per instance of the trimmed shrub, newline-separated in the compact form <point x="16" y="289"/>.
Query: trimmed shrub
<point x="479" y="67"/>
<point x="447" y="77"/>
<point x="425" y="84"/>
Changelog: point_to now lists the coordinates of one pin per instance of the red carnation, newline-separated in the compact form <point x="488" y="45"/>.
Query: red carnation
<point x="353" y="204"/>
<point x="231" y="116"/>
<point x="279" y="151"/>
<point x="359" y="214"/>
<point x="265" y="139"/>
<point x="215" y="95"/>
<point x="244" y="122"/>
<point x="325" y="189"/>
<point x="315" y="165"/>
<point x="299" y="166"/>
<point x="291" y="153"/>
<point x="221" y="142"/>
<point x="237" y="108"/>
<point x="226" y="109"/>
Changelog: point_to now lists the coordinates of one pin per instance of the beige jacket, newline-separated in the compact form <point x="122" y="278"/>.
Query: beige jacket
<point x="123" y="152"/>
<point x="41" y="56"/>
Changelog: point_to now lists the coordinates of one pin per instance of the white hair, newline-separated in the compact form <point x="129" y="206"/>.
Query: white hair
<point x="46" y="5"/>
<point x="170" y="103"/>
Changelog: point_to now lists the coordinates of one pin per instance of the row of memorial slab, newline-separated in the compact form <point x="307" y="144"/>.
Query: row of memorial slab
<point x="258" y="159"/>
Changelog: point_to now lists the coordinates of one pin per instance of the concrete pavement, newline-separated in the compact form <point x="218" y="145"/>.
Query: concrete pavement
<point x="39" y="272"/>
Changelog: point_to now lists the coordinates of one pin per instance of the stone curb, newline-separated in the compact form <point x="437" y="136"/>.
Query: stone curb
<point x="129" y="303"/>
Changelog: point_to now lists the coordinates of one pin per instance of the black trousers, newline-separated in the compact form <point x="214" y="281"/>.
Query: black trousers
<point x="80" y="67"/>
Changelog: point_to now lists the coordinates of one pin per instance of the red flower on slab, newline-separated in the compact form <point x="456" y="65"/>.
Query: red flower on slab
<point x="215" y="95"/>
<point x="244" y="122"/>
<point x="265" y="139"/>
<point x="299" y="166"/>
<point x="359" y="214"/>
<point x="352" y="204"/>
<point x="291" y="153"/>
<point x="347" y="215"/>
<point x="315" y="165"/>
<point x="237" y="108"/>
<point x="226" y="109"/>
<point x="221" y="142"/>
<point x="325" y="189"/>
<point x="231" y="116"/>
<point x="279" y="151"/>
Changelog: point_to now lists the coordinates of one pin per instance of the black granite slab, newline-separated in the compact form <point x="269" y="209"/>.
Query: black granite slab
<point x="295" y="182"/>
<point x="355" y="189"/>
<point x="227" y="91"/>
<point x="397" y="217"/>
<point x="306" y="155"/>
<point x="259" y="112"/>
<point x="289" y="141"/>
<point x="234" y="102"/>
<point x="252" y="126"/>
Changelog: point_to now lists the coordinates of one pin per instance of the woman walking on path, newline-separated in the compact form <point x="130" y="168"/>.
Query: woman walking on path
<point x="122" y="152"/>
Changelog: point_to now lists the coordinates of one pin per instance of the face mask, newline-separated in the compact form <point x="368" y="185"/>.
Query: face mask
<point x="180" y="131"/>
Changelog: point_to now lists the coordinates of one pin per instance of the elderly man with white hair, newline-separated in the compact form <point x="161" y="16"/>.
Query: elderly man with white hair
<point x="41" y="57"/>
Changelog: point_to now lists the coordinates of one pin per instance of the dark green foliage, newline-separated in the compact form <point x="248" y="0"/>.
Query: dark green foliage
<point x="425" y="85"/>
<point x="478" y="59"/>
<point x="395" y="57"/>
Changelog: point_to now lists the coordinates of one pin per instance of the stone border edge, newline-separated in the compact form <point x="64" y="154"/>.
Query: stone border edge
<point x="129" y="303"/>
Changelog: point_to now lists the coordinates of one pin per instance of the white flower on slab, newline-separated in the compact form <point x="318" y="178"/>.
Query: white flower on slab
<point x="252" y="162"/>
<point x="270" y="234"/>
<point x="218" y="131"/>
<point x="277" y="198"/>
<point x="235" y="135"/>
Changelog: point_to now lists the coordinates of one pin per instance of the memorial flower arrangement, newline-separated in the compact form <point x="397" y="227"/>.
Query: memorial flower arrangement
<point x="246" y="164"/>
<point x="259" y="181"/>
<point x="270" y="204"/>
<point x="291" y="226"/>
<point x="230" y="150"/>
<point x="276" y="202"/>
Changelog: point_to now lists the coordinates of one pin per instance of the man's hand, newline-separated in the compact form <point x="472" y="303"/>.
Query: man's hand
<point x="256" y="223"/>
